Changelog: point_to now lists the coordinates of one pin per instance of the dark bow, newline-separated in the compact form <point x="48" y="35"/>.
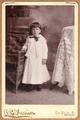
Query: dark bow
<point x="36" y="38"/>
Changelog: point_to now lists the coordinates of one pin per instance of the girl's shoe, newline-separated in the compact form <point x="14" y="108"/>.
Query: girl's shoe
<point x="38" y="87"/>
<point x="29" y="88"/>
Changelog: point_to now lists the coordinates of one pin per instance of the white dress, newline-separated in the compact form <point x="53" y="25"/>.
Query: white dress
<point x="64" y="65"/>
<point x="35" y="72"/>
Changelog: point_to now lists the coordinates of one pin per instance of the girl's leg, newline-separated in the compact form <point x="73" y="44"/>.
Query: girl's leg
<point x="38" y="87"/>
<point x="29" y="87"/>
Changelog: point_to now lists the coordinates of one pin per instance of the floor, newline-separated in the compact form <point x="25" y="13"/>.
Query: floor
<point x="45" y="96"/>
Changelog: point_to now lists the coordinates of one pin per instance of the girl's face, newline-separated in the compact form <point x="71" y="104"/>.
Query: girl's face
<point x="36" y="31"/>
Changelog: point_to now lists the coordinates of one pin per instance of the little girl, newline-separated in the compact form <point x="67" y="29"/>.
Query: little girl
<point x="35" y="71"/>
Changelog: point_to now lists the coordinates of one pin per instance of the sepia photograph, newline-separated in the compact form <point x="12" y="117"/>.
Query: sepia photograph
<point x="40" y="56"/>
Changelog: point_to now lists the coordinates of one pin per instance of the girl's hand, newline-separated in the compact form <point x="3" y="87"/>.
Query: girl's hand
<point x="23" y="49"/>
<point x="44" y="61"/>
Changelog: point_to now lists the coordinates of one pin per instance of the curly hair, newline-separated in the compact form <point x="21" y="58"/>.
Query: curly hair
<point x="34" y="25"/>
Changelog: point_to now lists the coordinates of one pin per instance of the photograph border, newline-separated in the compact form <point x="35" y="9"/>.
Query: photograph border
<point x="31" y="111"/>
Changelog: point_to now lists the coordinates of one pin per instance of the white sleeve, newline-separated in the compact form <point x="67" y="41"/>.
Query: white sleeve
<point x="25" y="46"/>
<point x="45" y="49"/>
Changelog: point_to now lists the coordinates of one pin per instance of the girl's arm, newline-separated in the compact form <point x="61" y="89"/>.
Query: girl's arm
<point x="25" y="46"/>
<point x="45" y="52"/>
